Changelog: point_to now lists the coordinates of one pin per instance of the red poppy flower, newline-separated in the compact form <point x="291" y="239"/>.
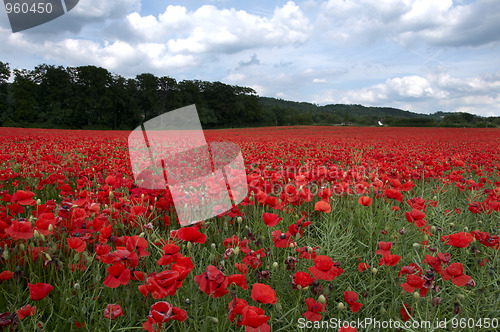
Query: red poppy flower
<point x="254" y="258"/>
<point x="23" y="197"/>
<point x="138" y="244"/>
<point x="238" y="280"/>
<point x="322" y="206"/>
<point x="113" y="311"/>
<point x="298" y="227"/>
<point x="389" y="260"/>
<point x="365" y="201"/>
<point x="304" y="252"/>
<point x="434" y="262"/>
<point x="26" y="311"/>
<point x="170" y="254"/>
<point x="394" y="194"/>
<point x="118" y="275"/>
<point x="458" y="240"/>
<point x="243" y="268"/>
<point x="406" y="312"/>
<point x="324" y="268"/>
<point x="313" y="310"/>
<point x="236" y="307"/>
<point x="254" y="317"/>
<point x="231" y="242"/>
<point x="412" y="282"/>
<point x="416" y="217"/>
<point x="20" y="230"/>
<point x="163" y="312"/>
<point x="5" y="275"/>
<point x="212" y="282"/>
<point x="79" y="325"/>
<point x="191" y="234"/>
<point x="492" y="241"/>
<point x="282" y="240"/>
<point x="384" y="248"/>
<point x="263" y="294"/>
<point x="44" y="221"/>
<point x="271" y="219"/>
<point x="76" y="244"/>
<point x="363" y="266"/>
<point x="350" y="297"/>
<point x="39" y="291"/>
<point x="455" y="272"/>
<point x="302" y="279"/>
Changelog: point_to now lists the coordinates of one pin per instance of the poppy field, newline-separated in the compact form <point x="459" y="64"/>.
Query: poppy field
<point x="340" y="225"/>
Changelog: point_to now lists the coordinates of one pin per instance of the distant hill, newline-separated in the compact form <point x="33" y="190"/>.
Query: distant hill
<point x="288" y="112"/>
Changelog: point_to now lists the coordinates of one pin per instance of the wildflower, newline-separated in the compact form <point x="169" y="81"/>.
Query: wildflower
<point x="113" y="311"/>
<point x="313" y="310"/>
<point x="263" y="293"/>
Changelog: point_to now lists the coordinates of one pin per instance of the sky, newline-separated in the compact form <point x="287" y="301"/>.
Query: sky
<point x="418" y="55"/>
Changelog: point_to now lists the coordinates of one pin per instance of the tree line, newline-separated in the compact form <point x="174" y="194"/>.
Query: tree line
<point x="90" y="97"/>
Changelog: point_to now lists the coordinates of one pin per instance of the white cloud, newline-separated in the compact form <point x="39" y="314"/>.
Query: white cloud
<point x="209" y="29"/>
<point x="431" y="22"/>
<point x="478" y="94"/>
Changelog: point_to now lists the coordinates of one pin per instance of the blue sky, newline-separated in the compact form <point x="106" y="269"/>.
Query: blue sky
<point x="418" y="55"/>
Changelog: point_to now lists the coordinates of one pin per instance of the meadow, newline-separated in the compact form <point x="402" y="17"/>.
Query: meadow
<point x="343" y="228"/>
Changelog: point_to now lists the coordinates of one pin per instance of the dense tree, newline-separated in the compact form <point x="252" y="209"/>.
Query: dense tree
<point x="25" y="93"/>
<point x="92" y="98"/>
<point x="4" y="77"/>
<point x="147" y="95"/>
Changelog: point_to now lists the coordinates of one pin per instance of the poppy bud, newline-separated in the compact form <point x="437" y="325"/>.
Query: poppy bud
<point x="5" y="254"/>
<point x="189" y="245"/>
<point x="21" y="246"/>
<point x="275" y="265"/>
<point x="142" y="234"/>
<point x="374" y="270"/>
<point x="310" y="250"/>
<point x="38" y="201"/>
<point x="278" y="306"/>
<point x="382" y="310"/>
<point x="74" y="206"/>
<point x="461" y="296"/>
<point x="322" y="299"/>
<point x="416" y="295"/>
<point x="340" y="306"/>
<point x="452" y="224"/>
<point x="213" y="246"/>
<point x="236" y="250"/>
<point x="36" y="234"/>
<point x="51" y="228"/>
<point x="292" y="245"/>
<point x="47" y="257"/>
<point x="416" y="245"/>
<point x="433" y="229"/>
<point x="76" y="286"/>
<point x="111" y="195"/>
<point x="239" y="219"/>
<point x="214" y="320"/>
